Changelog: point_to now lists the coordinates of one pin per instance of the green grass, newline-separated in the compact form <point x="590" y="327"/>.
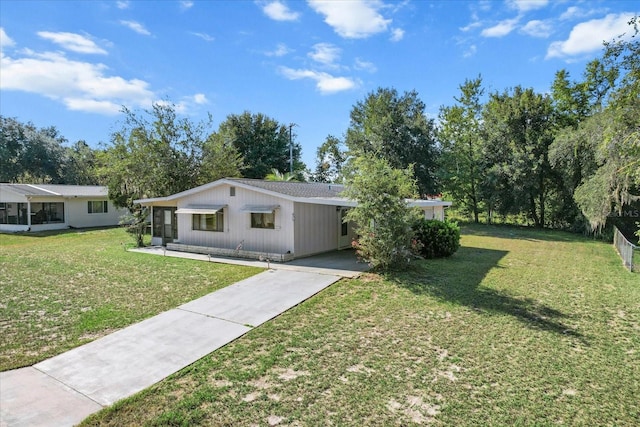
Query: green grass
<point x="59" y="290"/>
<point x="519" y="327"/>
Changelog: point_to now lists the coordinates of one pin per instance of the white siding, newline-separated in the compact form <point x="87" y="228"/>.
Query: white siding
<point x="316" y="229"/>
<point x="77" y="214"/>
<point x="237" y="224"/>
<point x="434" y="212"/>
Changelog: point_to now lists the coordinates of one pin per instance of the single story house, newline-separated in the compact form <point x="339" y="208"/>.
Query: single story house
<point x="253" y="218"/>
<point x="39" y="207"/>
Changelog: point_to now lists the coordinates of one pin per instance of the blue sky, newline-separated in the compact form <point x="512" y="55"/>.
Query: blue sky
<point x="74" y="64"/>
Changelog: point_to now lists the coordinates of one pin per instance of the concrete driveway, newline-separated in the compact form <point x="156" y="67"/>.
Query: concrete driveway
<point x="65" y="389"/>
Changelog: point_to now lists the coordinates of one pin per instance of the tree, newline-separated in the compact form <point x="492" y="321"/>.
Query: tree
<point x="382" y="216"/>
<point x="330" y="158"/>
<point x="276" y="175"/>
<point x="520" y="129"/>
<point x="396" y="128"/>
<point x="11" y="146"/>
<point x="81" y="164"/>
<point x="611" y="134"/>
<point x="262" y="142"/>
<point x="28" y="154"/>
<point x="154" y="154"/>
<point x="461" y="139"/>
<point x="220" y="159"/>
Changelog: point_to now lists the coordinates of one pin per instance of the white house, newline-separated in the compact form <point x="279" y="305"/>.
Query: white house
<point x="39" y="207"/>
<point x="253" y="218"/>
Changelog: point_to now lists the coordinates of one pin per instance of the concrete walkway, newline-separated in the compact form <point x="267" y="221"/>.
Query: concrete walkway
<point x="65" y="389"/>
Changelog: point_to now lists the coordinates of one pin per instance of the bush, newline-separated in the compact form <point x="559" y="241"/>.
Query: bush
<point x="438" y="238"/>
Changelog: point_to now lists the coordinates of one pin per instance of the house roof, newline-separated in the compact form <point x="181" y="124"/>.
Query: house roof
<point x="304" y="192"/>
<point x="51" y="190"/>
<point x="294" y="189"/>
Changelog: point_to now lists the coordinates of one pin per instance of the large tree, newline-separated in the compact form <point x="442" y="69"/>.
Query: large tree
<point x="29" y="154"/>
<point x="262" y="142"/>
<point x="155" y="153"/>
<point x="81" y="165"/>
<point x="396" y="128"/>
<point x="330" y="158"/>
<point x="461" y="138"/>
<point x="220" y="159"/>
<point x="519" y="128"/>
<point x="610" y="135"/>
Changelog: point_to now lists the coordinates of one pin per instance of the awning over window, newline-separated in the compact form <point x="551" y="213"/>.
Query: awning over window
<point x="201" y="209"/>
<point x="260" y="208"/>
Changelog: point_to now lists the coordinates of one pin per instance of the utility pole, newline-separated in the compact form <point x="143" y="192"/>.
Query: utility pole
<point x="291" y="148"/>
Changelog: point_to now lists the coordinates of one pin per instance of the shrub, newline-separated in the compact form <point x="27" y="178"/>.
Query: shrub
<point x="438" y="238"/>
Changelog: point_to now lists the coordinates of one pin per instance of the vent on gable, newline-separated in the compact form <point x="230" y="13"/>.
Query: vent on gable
<point x="232" y="191"/>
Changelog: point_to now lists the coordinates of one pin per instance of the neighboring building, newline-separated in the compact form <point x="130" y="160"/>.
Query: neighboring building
<point x="255" y="218"/>
<point x="39" y="207"/>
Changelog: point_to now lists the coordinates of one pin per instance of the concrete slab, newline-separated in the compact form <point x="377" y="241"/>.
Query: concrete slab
<point x="140" y="355"/>
<point x="339" y="263"/>
<point x="259" y="298"/>
<point x="32" y="398"/>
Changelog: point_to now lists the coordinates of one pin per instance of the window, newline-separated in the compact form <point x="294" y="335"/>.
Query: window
<point x="208" y="222"/>
<point x="101" y="206"/>
<point x="13" y="213"/>
<point x="157" y="222"/>
<point x="263" y="220"/>
<point x="344" y="225"/>
<point x="47" y="213"/>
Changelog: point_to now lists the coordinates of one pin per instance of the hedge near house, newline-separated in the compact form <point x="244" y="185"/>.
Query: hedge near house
<point x="438" y="239"/>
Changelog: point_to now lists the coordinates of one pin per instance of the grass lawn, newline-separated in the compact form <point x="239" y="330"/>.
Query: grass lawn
<point x="520" y="327"/>
<point x="59" y="290"/>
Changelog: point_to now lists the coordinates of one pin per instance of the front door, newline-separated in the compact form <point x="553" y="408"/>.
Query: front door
<point x="344" y="236"/>
<point x="165" y="225"/>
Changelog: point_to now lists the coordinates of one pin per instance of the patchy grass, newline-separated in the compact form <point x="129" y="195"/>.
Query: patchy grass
<point x="62" y="289"/>
<point x="519" y="327"/>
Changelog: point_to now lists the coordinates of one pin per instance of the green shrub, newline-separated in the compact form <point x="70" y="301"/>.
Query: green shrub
<point x="438" y="239"/>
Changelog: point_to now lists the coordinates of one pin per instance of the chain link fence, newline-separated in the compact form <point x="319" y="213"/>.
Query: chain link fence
<point x="625" y="249"/>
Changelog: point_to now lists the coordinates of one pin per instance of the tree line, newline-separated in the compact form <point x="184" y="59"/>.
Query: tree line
<point x="569" y="158"/>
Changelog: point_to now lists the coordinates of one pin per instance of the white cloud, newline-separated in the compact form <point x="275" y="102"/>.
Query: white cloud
<point x="575" y="12"/>
<point x="325" y="53"/>
<point x="204" y="36"/>
<point x="279" y="11"/>
<point x="186" y="4"/>
<point x="365" y="65"/>
<point x="501" y="29"/>
<point x="78" y="85"/>
<point x="471" y="50"/>
<point x="5" y="40"/>
<point x="588" y="36"/>
<point x="123" y="4"/>
<point x="475" y="23"/>
<point x="200" y="99"/>
<point x="527" y="5"/>
<point x="136" y="26"/>
<point x="536" y="28"/>
<point x="570" y="13"/>
<point x="397" y="34"/>
<point x="325" y="82"/>
<point x="356" y="19"/>
<point x="280" y="50"/>
<point x="73" y="42"/>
